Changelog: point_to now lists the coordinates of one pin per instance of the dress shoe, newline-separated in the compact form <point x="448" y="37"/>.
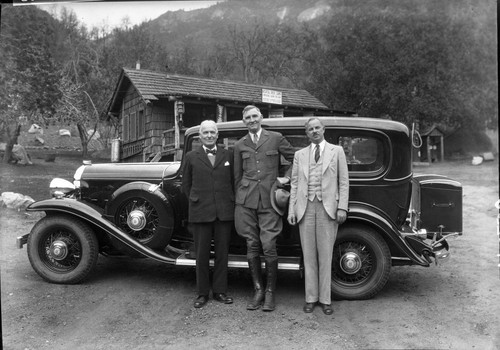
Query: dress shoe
<point x="200" y="301"/>
<point x="223" y="298"/>
<point x="327" y="309"/>
<point x="309" y="307"/>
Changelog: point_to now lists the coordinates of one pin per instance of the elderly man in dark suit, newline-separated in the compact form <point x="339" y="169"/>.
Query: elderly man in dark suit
<point x="256" y="168"/>
<point x="207" y="182"/>
<point x="319" y="195"/>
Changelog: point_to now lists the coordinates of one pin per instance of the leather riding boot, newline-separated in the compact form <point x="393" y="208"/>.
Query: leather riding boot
<point x="272" y="274"/>
<point x="255" y="272"/>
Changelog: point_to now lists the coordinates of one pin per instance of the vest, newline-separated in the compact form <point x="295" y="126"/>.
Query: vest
<point x="314" y="184"/>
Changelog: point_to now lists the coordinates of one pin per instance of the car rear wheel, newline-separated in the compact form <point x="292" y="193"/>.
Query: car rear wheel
<point x="62" y="249"/>
<point x="361" y="263"/>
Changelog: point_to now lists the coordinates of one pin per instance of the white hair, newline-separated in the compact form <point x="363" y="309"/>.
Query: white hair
<point x="208" y="122"/>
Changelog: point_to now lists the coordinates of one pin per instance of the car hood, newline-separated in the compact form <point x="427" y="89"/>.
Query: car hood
<point x="128" y="171"/>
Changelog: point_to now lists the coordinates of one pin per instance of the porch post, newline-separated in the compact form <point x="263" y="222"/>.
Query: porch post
<point x="178" y="112"/>
<point x="442" y="148"/>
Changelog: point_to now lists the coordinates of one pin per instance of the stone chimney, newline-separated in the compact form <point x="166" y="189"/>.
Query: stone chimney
<point x="138" y="65"/>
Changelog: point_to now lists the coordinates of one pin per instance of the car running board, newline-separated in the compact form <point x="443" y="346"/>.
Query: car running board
<point x="235" y="261"/>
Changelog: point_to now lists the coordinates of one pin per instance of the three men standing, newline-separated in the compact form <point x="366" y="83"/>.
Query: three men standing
<point x="256" y="167"/>
<point x="207" y="182"/>
<point x="318" y="203"/>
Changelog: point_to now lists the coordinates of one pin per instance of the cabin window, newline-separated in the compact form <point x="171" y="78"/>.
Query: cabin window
<point x="140" y="124"/>
<point x="125" y="127"/>
<point x="133" y="126"/>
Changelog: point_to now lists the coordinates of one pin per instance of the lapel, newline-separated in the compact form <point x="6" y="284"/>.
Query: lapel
<point x="249" y="141"/>
<point x="304" y="161"/>
<point x="327" y="156"/>
<point x="219" y="157"/>
<point x="202" y="155"/>
<point x="264" y="136"/>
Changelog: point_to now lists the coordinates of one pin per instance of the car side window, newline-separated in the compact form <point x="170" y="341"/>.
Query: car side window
<point x="363" y="153"/>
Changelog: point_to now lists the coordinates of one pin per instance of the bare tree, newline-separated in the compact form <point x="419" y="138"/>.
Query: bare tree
<point x="246" y="46"/>
<point x="76" y="106"/>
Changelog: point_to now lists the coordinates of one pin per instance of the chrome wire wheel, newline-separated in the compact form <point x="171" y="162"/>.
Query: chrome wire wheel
<point x="353" y="262"/>
<point x="138" y="218"/>
<point x="60" y="251"/>
<point x="142" y="214"/>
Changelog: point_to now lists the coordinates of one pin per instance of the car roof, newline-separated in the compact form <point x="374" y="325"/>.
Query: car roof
<point x="299" y="122"/>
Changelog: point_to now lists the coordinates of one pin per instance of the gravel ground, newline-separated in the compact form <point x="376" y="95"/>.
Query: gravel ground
<point x="143" y="304"/>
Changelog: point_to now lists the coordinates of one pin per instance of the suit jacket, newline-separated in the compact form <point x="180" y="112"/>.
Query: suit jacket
<point x="256" y="167"/>
<point x="334" y="181"/>
<point x="209" y="188"/>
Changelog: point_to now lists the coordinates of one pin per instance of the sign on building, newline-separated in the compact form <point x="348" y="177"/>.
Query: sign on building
<point x="271" y="96"/>
<point x="276" y="113"/>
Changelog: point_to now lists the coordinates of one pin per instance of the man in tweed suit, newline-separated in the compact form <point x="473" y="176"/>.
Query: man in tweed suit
<point x="256" y="168"/>
<point x="207" y="182"/>
<point x="319" y="197"/>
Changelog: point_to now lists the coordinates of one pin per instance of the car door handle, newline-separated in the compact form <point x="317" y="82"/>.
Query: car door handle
<point x="443" y="205"/>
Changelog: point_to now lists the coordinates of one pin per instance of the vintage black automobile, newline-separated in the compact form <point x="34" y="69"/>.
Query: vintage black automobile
<point x="138" y="210"/>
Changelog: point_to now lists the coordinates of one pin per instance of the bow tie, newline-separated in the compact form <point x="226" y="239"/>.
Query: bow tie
<point x="211" y="151"/>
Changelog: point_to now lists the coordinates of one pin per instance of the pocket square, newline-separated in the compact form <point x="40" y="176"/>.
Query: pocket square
<point x="226" y="163"/>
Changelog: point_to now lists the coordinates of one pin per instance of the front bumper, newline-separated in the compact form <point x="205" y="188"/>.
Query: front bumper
<point x="21" y="241"/>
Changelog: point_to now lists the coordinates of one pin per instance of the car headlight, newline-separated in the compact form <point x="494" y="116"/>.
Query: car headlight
<point x="60" y="187"/>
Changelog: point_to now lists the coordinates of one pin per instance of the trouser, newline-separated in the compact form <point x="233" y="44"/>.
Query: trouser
<point x="317" y="236"/>
<point x="203" y="233"/>
<point x="260" y="227"/>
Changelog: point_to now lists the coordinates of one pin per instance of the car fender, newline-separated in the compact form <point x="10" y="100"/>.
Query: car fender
<point x="372" y="216"/>
<point x="94" y="216"/>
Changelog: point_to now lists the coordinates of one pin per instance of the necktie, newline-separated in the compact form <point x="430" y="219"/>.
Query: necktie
<point x="255" y="138"/>
<point x="316" y="153"/>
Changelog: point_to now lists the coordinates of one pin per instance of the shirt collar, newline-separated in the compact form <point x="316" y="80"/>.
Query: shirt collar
<point x="258" y="133"/>
<point x="205" y="148"/>
<point x="321" y="146"/>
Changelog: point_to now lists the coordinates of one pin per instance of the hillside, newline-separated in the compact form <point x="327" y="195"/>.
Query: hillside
<point x="427" y="61"/>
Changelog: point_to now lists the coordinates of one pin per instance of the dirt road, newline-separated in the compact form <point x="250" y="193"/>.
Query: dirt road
<point x="142" y="304"/>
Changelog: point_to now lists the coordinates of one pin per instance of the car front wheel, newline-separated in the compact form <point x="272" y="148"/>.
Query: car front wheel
<point x="62" y="249"/>
<point x="361" y="263"/>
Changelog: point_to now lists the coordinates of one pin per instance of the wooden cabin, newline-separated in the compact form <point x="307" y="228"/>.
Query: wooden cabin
<point x="155" y="108"/>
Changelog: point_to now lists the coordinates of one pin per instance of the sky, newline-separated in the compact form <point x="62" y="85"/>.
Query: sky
<point x="111" y="13"/>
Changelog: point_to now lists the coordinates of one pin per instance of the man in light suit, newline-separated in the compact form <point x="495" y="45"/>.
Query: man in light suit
<point x="319" y="196"/>
<point x="207" y="182"/>
<point x="256" y="168"/>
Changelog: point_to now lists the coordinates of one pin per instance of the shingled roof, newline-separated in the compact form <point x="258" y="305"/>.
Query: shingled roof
<point x="155" y="85"/>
